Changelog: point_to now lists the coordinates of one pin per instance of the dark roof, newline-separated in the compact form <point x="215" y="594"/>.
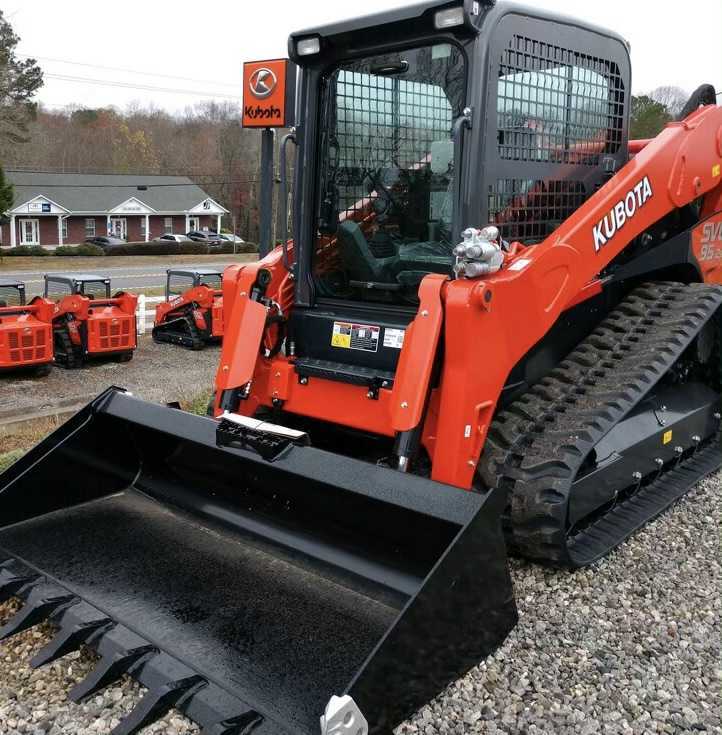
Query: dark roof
<point x="490" y="12"/>
<point x="10" y="282"/>
<point x="103" y="192"/>
<point x="77" y="276"/>
<point x="196" y="271"/>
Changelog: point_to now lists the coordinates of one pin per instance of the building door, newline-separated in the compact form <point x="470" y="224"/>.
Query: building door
<point x="29" y="232"/>
<point x="194" y="223"/>
<point x="119" y="227"/>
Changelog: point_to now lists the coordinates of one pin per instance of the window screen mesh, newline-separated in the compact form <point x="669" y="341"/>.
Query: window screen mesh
<point x="178" y="285"/>
<point x="212" y="281"/>
<point x="58" y="289"/>
<point x="557" y="105"/>
<point x="10" y="296"/>
<point x="379" y="122"/>
<point x="95" y="289"/>
<point x="528" y="210"/>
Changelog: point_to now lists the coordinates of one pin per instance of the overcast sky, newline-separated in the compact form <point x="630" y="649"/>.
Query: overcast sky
<point x="181" y="49"/>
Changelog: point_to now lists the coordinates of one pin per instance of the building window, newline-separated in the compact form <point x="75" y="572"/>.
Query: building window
<point x="168" y="225"/>
<point x="64" y="228"/>
<point x="90" y="227"/>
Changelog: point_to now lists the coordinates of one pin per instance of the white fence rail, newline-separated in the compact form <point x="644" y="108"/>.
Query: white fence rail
<point x="145" y="313"/>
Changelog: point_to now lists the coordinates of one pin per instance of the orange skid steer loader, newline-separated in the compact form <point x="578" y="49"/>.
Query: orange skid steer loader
<point x="87" y="322"/>
<point x="26" y="337"/>
<point x="497" y="318"/>
<point x="192" y="313"/>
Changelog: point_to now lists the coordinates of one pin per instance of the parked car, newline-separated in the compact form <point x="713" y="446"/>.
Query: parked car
<point x="204" y="236"/>
<point x="104" y="241"/>
<point x="227" y="237"/>
<point x="173" y="238"/>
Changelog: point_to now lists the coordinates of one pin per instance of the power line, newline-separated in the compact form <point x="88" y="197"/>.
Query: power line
<point x="132" y="186"/>
<point x="130" y="71"/>
<point x="145" y="87"/>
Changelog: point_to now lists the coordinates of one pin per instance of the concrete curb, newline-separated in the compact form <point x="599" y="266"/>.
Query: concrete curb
<point x="11" y="422"/>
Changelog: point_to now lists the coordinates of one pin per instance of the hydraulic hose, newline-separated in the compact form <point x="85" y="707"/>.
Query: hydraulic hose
<point x="290" y="137"/>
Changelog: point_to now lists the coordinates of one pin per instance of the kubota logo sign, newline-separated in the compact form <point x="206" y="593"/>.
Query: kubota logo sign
<point x="265" y="87"/>
<point x="623" y="211"/>
<point x="262" y="83"/>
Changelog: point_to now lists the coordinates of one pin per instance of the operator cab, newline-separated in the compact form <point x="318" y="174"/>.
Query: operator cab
<point x="180" y="280"/>
<point x="12" y="293"/>
<point x="418" y="123"/>
<point x="59" y="285"/>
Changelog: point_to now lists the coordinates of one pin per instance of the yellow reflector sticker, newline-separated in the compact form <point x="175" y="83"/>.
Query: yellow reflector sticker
<point x="716" y="170"/>
<point x="667" y="437"/>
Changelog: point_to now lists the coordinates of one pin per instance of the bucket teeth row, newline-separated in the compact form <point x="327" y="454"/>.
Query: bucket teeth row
<point x="170" y="682"/>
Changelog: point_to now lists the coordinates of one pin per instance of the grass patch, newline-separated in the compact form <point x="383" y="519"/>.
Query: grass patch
<point x="197" y="404"/>
<point x="7" y="459"/>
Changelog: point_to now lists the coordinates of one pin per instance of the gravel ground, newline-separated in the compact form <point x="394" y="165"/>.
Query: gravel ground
<point x="631" y="645"/>
<point x="157" y="372"/>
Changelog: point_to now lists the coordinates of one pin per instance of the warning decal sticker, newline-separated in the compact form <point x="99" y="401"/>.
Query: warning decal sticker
<point x="394" y="338"/>
<point x="350" y="336"/>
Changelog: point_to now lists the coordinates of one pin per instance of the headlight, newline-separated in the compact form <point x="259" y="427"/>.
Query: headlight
<point x="308" y="46"/>
<point x="449" y="18"/>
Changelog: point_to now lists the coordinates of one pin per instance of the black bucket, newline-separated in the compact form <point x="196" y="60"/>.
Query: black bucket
<point x="247" y="592"/>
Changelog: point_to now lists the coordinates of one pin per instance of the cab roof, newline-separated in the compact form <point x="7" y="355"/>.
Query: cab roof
<point x="11" y="282"/>
<point x="195" y="271"/>
<point x="77" y="277"/>
<point x="489" y="13"/>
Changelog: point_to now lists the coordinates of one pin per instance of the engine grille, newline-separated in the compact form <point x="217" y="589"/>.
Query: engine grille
<point x="116" y="333"/>
<point x="29" y="344"/>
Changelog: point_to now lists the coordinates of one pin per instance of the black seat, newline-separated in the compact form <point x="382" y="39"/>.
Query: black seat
<point x="357" y="256"/>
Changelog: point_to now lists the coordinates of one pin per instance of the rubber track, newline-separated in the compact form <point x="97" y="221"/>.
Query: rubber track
<point x="536" y="446"/>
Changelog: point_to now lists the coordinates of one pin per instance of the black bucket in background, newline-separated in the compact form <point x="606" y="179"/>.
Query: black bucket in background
<point x="247" y="593"/>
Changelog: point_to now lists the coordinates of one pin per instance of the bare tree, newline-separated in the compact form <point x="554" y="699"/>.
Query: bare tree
<point x="673" y="98"/>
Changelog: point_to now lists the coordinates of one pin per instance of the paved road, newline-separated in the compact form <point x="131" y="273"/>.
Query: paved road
<point x="126" y="277"/>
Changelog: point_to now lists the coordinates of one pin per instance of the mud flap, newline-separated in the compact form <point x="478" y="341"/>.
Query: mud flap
<point x="248" y="593"/>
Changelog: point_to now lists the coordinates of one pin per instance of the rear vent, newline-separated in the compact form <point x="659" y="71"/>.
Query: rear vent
<point x="28" y="345"/>
<point x="115" y="333"/>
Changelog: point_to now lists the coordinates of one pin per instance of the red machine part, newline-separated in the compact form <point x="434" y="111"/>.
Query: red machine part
<point x="208" y="303"/>
<point x="487" y="326"/>
<point x="110" y="323"/>
<point x="26" y="337"/>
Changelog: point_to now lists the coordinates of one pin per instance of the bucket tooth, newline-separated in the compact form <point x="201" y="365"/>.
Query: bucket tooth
<point x="42" y="602"/>
<point x="12" y="580"/>
<point x="109" y="670"/>
<point x="156" y="703"/>
<point x="70" y="637"/>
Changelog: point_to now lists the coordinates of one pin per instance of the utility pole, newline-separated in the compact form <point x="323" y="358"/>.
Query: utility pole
<point x="265" y="243"/>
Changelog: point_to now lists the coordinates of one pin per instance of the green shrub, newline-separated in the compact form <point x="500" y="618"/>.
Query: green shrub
<point x="86" y="249"/>
<point x="226" y="248"/>
<point x="156" y="247"/>
<point x="34" y="250"/>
